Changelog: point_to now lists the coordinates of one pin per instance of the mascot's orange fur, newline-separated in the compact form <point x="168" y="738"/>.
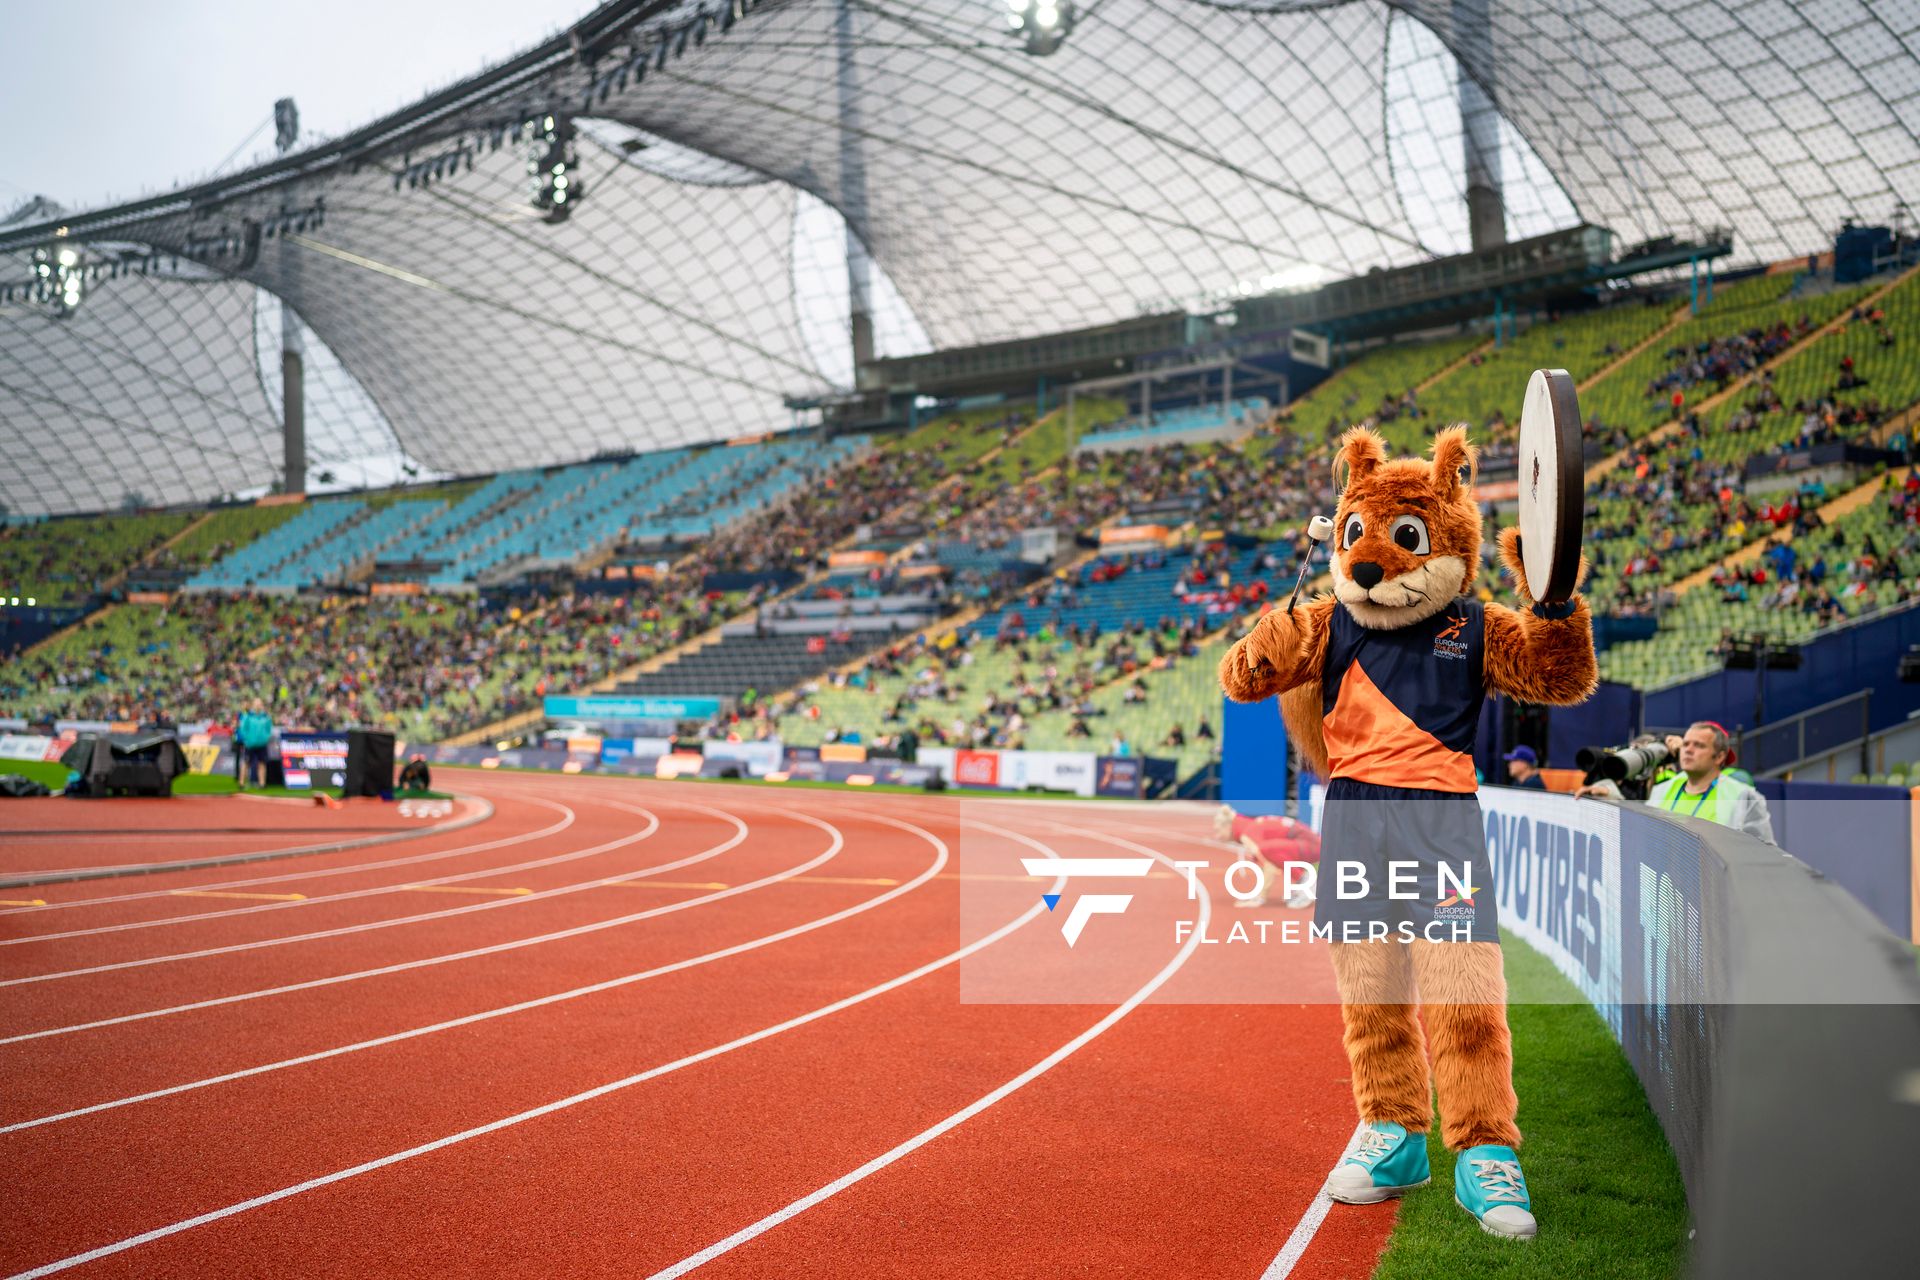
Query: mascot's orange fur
<point x="1407" y="549"/>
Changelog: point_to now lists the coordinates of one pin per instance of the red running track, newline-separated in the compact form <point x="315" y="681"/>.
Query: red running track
<point x="720" y="1031"/>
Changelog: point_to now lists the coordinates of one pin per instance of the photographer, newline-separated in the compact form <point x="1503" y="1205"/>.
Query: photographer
<point x="1701" y="788"/>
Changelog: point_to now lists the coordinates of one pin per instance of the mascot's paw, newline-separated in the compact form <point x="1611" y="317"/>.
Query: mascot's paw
<point x="1388" y="1162"/>
<point x="1275" y="639"/>
<point x="1511" y="562"/>
<point x="1488" y="1184"/>
<point x="1516" y="567"/>
<point x="1242" y="677"/>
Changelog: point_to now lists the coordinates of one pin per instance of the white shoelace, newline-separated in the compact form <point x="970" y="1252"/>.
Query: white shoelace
<point x="1373" y="1145"/>
<point x="1501" y="1180"/>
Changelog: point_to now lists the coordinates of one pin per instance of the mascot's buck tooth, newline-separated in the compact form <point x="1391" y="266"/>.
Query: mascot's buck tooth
<point x="1381" y="688"/>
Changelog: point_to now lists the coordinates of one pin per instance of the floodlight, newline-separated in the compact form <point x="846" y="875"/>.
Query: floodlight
<point x="553" y="168"/>
<point x="1041" y="24"/>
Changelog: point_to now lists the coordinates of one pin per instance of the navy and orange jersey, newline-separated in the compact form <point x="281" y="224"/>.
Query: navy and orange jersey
<point x="1401" y="708"/>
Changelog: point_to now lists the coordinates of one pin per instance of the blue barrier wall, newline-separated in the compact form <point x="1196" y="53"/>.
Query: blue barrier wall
<point x="1833" y="666"/>
<point x="1860" y="837"/>
<point x="1253" y="757"/>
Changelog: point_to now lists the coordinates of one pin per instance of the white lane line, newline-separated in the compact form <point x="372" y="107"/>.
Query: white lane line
<point x="1303" y="1231"/>
<point x="941" y="854"/>
<point x="546" y="1109"/>
<point x="493" y="949"/>
<point x="653" y="825"/>
<point x="372" y="892"/>
<point x="1296" y="1246"/>
<point x="958" y="1118"/>
<point x="284" y="877"/>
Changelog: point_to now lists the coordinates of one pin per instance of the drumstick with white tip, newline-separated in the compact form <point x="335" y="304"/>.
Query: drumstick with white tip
<point x="1319" y="529"/>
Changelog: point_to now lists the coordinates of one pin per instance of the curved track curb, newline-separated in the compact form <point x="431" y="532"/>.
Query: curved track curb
<point x="195" y="864"/>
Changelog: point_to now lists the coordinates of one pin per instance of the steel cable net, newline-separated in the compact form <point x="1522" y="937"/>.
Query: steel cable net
<point x="148" y="393"/>
<point x="660" y="315"/>
<point x="1168" y="149"/>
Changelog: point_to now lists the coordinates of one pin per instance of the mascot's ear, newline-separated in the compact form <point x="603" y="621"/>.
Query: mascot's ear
<point x="1452" y="455"/>
<point x="1362" y="451"/>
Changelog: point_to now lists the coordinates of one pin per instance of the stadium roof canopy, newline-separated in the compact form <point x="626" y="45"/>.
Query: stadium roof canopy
<point x="1168" y="149"/>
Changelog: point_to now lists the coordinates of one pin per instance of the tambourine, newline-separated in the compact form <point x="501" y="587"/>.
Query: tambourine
<point x="1552" y="486"/>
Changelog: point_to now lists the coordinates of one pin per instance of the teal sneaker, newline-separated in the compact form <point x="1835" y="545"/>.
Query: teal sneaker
<point x="1388" y="1162"/>
<point x="1488" y="1184"/>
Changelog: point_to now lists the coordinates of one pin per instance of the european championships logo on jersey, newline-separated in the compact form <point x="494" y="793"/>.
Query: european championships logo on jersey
<point x="1457" y="905"/>
<point x="1448" y="643"/>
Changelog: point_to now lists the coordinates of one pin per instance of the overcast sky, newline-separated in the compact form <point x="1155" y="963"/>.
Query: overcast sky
<point x="108" y="99"/>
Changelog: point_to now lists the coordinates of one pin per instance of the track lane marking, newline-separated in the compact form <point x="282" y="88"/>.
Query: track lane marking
<point x="215" y="893"/>
<point x="1298" y="1240"/>
<point x="411" y="860"/>
<point x="462" y="888"/>
<point x="1303" y="1231"/>
<point x="495" y="948"/>
<point x="960" y="1117"/>
<point x="941" y="856"/>
<point x="561" y="1104"/>
<point x="653" y="825"/>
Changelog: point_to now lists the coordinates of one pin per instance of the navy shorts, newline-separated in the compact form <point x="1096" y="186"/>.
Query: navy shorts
<point x="1366" y="828"/>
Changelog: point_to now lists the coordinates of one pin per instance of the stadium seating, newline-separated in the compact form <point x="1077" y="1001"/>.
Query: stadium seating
<point x="1141" y="591"/>
<point x="264" y="564"/>
<point x="1884" y="368"/>
<point x="425" y="669"/>
<point x="1184" y="420"/>
<point x="737" y="664"/>
<point x="59" y="562"/>
<point x="1490" y="387"/>
<point x="945" y="692"/>
<point x="1854" y="548"/>
<point x="1638" y="396"/>
<point x="1377" y="386"/>
<point x="531" y="519"/>
<point x="225" y="530"/>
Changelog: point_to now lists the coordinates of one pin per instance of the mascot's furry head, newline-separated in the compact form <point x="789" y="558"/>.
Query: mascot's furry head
<point x="1407" y="535"/>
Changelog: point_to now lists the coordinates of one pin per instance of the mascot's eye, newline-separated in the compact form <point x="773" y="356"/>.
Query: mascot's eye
<point x="1410" y="534"/>
<point x="1355" y="527"/>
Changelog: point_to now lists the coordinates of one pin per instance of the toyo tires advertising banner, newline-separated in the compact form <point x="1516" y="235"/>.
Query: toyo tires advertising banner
<point x="1556" y="875"/>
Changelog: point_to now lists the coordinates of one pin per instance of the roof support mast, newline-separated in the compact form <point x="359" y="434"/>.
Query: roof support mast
<point x="293" y="403"/>
<point x="853" y="193"/>
<point x="1479" y="128"/>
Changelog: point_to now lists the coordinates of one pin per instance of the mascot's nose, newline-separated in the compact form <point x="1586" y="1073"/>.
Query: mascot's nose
<point x="1367" y="574"/>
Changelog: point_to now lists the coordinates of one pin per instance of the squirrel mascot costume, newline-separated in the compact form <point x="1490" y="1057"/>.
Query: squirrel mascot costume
<point x="1381" y="687"/>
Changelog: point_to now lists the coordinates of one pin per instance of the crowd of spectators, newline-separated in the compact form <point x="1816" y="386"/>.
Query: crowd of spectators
<point x="426" y="668"/>
<point x="1837" y="569"/>
<point x="1251" y="489"/>
<point x="934" y="695"/>
<point x="903" y="484"/>
<point x="1721" y="360"/>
